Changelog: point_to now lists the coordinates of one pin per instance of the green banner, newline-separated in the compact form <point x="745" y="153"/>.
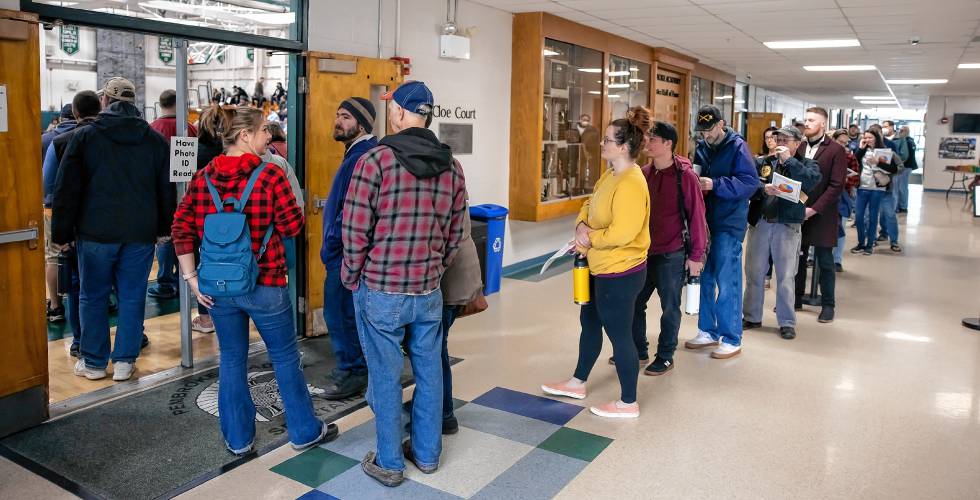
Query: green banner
<point x="250" y="54"/>
<point x="165" y="49"/>
<point x="69" y="39"/>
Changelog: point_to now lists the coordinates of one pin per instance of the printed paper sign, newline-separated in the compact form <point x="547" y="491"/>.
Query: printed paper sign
<point x="788" y="188"/>
<point x="183" y="158"/>
<point x="3" y="108"/>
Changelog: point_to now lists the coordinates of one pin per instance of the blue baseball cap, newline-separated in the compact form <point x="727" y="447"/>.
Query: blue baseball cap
<point x="414" y="96"/>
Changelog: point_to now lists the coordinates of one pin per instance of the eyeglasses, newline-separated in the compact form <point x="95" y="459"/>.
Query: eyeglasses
<point x="606" y="140"/>
<point x="784" y="140"/>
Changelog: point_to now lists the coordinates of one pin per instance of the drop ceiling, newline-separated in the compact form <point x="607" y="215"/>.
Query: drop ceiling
<point x="728" y="35"/>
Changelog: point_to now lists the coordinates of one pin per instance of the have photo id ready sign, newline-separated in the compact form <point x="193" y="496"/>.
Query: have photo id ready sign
<point x="183" y="158"/>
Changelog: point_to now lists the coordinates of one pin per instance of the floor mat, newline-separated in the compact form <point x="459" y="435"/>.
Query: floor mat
<point x="510" y="445"/>
<point x="165" y="440"/>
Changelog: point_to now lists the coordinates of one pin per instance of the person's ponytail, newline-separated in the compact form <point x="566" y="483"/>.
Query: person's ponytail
<point x="632" y="130"/>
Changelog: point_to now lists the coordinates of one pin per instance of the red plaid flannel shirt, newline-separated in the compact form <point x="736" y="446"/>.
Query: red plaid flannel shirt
<point x="400" y="232"/>
<point x="271" y="201"/>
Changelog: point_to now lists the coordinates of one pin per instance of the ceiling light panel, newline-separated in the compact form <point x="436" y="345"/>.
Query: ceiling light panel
<point x="852" y="67"/>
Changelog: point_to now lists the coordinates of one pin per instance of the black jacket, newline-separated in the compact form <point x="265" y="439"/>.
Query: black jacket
<point x="798" y="168"/>
<point x="113" y="185"/>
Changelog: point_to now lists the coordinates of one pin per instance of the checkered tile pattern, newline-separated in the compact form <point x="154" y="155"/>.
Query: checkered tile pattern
<point x="507" y="442"/>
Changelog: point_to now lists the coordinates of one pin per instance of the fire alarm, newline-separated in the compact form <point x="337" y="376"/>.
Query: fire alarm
<point x="406" y="64"/>
<point x="944" y="120"/>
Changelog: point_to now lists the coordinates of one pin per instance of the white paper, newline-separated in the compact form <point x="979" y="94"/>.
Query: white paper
<point x="183" y="158"/>
<point x="884" y="153"/>
<point x="559" y="254"/>
<point x="3" y="108"/>
<point x="788" y="188"/>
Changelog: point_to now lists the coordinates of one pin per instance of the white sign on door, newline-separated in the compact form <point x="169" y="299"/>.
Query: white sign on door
<point x="3" y="108"/>
<point x="183" y="158"/>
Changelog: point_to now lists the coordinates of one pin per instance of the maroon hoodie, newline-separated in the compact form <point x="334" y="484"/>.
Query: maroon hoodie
<point x="666" y="225"/>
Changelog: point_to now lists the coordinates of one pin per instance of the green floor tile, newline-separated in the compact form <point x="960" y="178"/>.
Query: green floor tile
<point x="575" y="444"/>
<point x="314" y="466"/>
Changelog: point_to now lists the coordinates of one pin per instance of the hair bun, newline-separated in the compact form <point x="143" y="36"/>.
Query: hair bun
<point x="640" y="117"/>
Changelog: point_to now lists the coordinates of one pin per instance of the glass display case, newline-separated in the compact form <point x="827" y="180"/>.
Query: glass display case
<point x="570" y="163"/>
<point x="629" y="85"/>
<point x="724" y="98"/>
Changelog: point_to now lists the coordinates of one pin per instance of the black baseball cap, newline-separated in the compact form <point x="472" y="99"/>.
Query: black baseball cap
<point x="708" y="116"/>
<point x="664" y="131"/>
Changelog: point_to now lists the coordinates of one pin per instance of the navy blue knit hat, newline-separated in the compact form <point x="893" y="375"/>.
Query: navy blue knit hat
<point x="66" y="112"/>
<point x="362" y="110"/>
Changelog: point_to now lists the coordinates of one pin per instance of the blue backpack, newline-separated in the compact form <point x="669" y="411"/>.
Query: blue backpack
<point x="228" y="267"/>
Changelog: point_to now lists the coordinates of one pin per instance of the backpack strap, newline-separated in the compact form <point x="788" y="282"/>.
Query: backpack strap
<point x="243" y="200"/>
<point x="265" y="240"/>
<point x="686" y="231"/>
<point x="215" y="196"/>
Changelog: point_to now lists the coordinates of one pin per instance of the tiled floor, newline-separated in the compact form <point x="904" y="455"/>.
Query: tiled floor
<point x="507" y="443"/>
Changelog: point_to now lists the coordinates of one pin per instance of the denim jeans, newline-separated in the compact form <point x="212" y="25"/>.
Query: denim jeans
<point x="269" y="308"/>
<point x="781" y="242"/>
<point x="901" y="189"/>
<point x="338" y="314"/>
<point x="721" y="290"/>
<point x="166" y="265"/>
<point x="866" y="215"/>
<point x="449" y="314"/>
<point x="384" y="320"/>
<point x="72" y="313"/>
<point x="102" y="265"/>
<point x="889" y="220"/>
<point x="665" y="274"/>
<point x="841" y="241"/>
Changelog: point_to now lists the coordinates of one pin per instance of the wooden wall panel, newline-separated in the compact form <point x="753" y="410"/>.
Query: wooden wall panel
<point x="526" y="116"/>
<point x="23" y="342"/>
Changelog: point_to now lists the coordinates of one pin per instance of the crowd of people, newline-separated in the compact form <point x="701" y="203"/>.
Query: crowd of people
<point x="238" y="96"/>
<point x="401" y="265"/>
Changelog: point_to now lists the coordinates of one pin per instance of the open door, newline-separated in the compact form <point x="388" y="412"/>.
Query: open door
<point x="756" y="126"/>
<point x="23" y="342"/>
<point x="332" y="78"/>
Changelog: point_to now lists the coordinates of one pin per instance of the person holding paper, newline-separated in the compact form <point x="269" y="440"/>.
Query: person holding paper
<point x="876" y="172"/>
<point x="777" y="232"/>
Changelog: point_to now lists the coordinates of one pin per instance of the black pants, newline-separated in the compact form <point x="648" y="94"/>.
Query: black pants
<point x="823" y="260"/>
<point x="665" y="275"/>
<point x="611" y="308"/>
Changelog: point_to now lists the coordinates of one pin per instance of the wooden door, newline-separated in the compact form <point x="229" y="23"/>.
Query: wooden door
<point x="756" y="126"/>
<point x="333" y="78"/>
<point x="23" y="338"/>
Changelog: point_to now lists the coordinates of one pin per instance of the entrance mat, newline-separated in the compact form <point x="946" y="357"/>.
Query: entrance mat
<point x="164" y="441"/>
<point x="508" y="441"/>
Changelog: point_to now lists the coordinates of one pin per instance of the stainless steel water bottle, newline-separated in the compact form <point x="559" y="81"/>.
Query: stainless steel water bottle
<point x="580" y="281"/>
<point x="692" y="295"/>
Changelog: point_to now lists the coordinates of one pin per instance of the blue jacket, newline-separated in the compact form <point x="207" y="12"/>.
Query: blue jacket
<point x="332" y="249"/>
<point x="733" y="172"/>
<point x="59" y="129"/>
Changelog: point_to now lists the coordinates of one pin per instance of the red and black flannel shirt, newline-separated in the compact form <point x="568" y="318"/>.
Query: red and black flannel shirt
<point x="400" y="232"/>
<point x="272" y="201"/>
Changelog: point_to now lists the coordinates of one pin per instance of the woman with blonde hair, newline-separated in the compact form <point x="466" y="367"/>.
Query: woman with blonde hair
<point x="613" y="232"/>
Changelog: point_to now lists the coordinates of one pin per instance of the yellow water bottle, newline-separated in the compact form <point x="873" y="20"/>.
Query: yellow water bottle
<point x="580" y="280"/>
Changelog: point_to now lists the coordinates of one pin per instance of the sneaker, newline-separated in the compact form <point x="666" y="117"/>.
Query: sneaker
<point x="328" y="432"/>
<point x="749" y="325"/>
<point x="122" y="370"/>
<point x="564" y="388"/>
<point x="838" y="268"/>
<point x="659" y="367"/>
<point x="857" y="249"/>
<point x="701" y="341"/>
<point x="161" y="291"/>
<point x="726" y="350"/>
<point x="826" y="315"/>
<point x="344" y="385"/>
<point x="882" y="237"/>
<point x="74" y="351"/>
<point x="57" y="314"/>
<point x="616" y="409"/>
<point x="144" y="342"/>
<point x="644" y="360"/>
<point x="868" y="250"/>
<point x="407" y="451"/>
<point x="389" y="478"/>
<point x="787" y="332"/>
<point x="82" y="370"/>
<point x="896" y="248"/>
<point x="202" y="323"/>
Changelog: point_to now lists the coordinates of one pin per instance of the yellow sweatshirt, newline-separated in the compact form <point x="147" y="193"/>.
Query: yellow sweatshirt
<point x="619" y="214"/>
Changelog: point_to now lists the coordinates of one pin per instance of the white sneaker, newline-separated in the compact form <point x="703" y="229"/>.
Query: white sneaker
<point x="726" y="350"/>
<point x="90" y="373"/>
<point x="701" y="341"/>
<point x="122" y="370"/>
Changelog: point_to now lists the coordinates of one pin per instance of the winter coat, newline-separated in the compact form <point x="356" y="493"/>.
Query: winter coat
<point x="821" y="229"/>
<point x="732" y="170"/>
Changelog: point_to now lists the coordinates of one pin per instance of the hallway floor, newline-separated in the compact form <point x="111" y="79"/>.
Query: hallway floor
<point x="882" y="403"/>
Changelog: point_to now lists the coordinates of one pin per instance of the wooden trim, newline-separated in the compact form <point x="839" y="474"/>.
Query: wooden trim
<point x="18" y="15"/>
<point x="674" y="58"/>
<point x="526" y="116"/>
<point x="571" y="32"/>
<point x="715" y="75"/>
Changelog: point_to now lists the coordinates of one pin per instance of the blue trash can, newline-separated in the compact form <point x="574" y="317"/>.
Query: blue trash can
<point x="494" y="216"/>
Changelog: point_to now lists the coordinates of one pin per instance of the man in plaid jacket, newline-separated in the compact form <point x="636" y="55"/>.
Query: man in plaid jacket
<point x="402" y="226"/>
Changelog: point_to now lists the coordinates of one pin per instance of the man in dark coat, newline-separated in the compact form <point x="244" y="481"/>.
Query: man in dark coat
<point x="820" y="228"/>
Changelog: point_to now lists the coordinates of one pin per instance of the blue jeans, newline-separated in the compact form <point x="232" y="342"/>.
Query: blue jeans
<point x="841" y="240"/>
<point x="721" y="290"/>
<point x="866" y="215"/>
<point x="449" y="314"/>
<point x="270" y="310"/>
<point x="166" y="266"/>
<point x="71" y="305"/>
<point x="901" y="189"/>
<point x="889" y="220"/>
<point x="338" y="314"/>
<point x="102" y="265"/>
<point x="383" y="322"/>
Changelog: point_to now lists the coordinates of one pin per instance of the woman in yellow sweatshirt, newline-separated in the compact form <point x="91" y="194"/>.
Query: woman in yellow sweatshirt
<point x="613" y="231"/>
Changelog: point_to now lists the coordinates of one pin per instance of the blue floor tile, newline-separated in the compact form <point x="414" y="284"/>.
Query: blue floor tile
<point x="541" y="474"/>
<point x="505" y="424"/>
<point x="355" y="484"/>
<point x="317" y="495"/>
<point x="356" y="442"/>
<point x="545" y="409"/>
